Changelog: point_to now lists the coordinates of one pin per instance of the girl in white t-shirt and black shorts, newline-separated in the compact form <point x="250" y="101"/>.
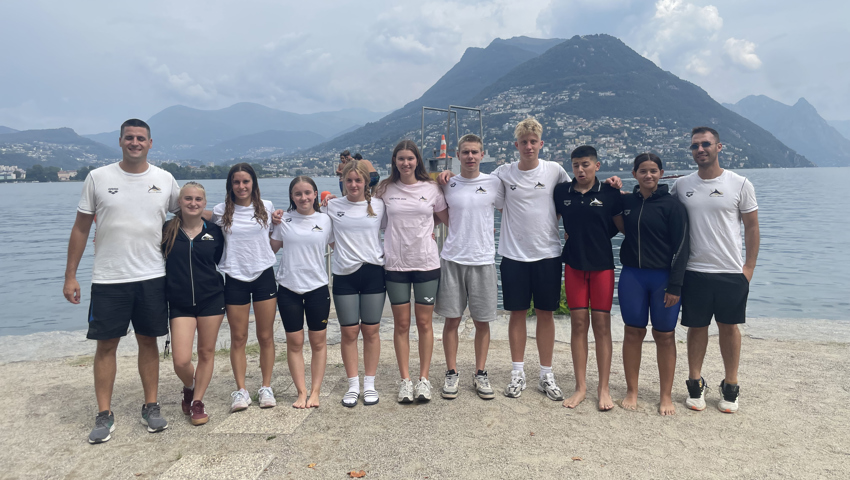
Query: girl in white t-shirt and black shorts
<point x="358" y="267"/>
<point x="304" y="234"/>
<point x="247" y="264"/>
<point x="412" y="200"/>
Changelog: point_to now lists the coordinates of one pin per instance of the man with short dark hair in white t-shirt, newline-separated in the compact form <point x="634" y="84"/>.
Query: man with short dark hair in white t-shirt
<point x="468" y="264"/>
<point x="131" y="200"/>
<point x="717" y="279"/>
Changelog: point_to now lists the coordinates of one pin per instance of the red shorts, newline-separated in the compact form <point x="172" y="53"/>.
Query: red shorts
<point x="594" y="289"/>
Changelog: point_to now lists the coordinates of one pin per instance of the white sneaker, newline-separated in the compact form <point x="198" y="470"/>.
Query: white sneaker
<point x="450" y="389"/>
<point x="548" y="386"/>
<point x="729" y="402"/>
<point x="266" y="397"/>
<point x="696" y="394"/>
<point x="423" y="390"/>
<point x="405" y="392"/>
<point x="517" y="385"/>
<point x="241" y="400"/>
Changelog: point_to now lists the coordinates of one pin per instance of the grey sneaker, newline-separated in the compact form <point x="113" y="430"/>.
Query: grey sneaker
<point x="450" y="386"/>
<point x="482" y="385"/>
<point x="152" y="417"/>
<point x="423" y="390"/>
<point x="696" y="394"/>
<point x="405" y="392"/>
<point x="104" y="425"/>
<point x="548" y="386"/>
<point x="517" y="385"/>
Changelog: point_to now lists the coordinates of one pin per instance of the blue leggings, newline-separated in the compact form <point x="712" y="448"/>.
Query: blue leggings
<point x="641" y="294"/>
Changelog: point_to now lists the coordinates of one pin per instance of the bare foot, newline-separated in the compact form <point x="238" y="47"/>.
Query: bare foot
<point x="666" y="407"/>
<point x="630" y="402"/>
<point x="313" y="402"/>
<point x="301" y="401"/>
<point x="605" y="401"/>
<point x="577" y="398"/>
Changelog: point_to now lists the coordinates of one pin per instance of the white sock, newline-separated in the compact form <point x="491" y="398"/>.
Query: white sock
<point x="544" y="371"/>
<point x="354" y="384"/>
<point x="369" y="382"/>
<point x="519" y="366"/>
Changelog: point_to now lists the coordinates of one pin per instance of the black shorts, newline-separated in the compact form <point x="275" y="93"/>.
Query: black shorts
<point x="114" y="305"/>
<point x="237" y="292"/>
<point x="367" y="279"/>
<point x="722" y="295"/>
<point x="315" y="305"/>
<point x="418" y="276"/>
<point x="523" y="281"/>
<point x="208" y="308"/>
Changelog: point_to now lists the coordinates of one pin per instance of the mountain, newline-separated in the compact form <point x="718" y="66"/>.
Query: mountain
<point x="477" y="68"/>
<point x="843" y="127"/>
<point x="261" y="145"/>
<point x="586" y="90"/>
<point x="181" y="132"/>
<point x="799" y="126"/>
<point x="59" y="147"/>
<point x="6" y="130"/>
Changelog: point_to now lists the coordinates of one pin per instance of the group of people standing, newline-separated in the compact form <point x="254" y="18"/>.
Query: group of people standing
<point x="680" y="243"/>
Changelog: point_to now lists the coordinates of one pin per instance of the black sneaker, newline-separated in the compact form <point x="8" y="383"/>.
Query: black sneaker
<point x="104" y="425"/>
<point x="729" y="403"/>
<point x="696" y="394"/>
<point x="152" y="417"/>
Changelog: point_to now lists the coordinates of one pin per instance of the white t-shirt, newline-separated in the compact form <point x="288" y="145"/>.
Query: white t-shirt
<point x="714" y="213"/>
<point x="472" y="203"/>
<point x="247" y="251"/>
<point x="529" y="222"/>
<point x="356" y="233"/>
<point x="408" y="245"/>
<point x="305" y="239"/>
<point x="130" y="209"/>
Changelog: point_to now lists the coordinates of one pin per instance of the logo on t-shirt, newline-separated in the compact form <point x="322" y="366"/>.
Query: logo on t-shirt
<point x="513" y="187"/>
<point x="207" y="236"/>
<point x="113" y="191"/>
<point x="689" y="194"/>
<point x="481" y="191"/>
<point x="154" y="189"/>
<point x="567" y="203"/>
<point x="317" y="228"/>
<point x="716" y="193"/>
<point x="596" y="203"/>
<point x="340" y="214"/>
<point x="423" y="199"/>
<point x="453" y="184"/>
<point x="627" y="211"/>
<point x="287" y="220"/>
<point x="539" y="186"/>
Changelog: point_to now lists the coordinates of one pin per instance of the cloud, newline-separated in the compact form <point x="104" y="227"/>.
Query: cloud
<point x="698" y="63"/>
<point x="182" y="84"/>
<point x="742" y="52"/>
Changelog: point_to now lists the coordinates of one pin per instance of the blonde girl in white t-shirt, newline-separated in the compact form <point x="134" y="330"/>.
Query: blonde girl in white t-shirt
<point x="247" y="264"/>
<point x="412" y="201"/>
<point x="304" y="234"/>
<point x="358" y="266"/>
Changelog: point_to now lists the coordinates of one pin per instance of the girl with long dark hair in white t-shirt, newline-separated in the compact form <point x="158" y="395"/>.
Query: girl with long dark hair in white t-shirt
<point x="304" y="234"/>
<point x="247" y="264"/>
<point x="358" y="266"/>
<point x="412" y="200"/>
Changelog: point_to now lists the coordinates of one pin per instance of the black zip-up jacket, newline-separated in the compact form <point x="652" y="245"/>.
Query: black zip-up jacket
<point x="656" y="234"/>
<point x="191" y="276"/>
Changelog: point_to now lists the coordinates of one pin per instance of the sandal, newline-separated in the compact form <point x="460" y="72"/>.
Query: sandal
<point x="370" y="397"/>
<point x="350" y="399"/>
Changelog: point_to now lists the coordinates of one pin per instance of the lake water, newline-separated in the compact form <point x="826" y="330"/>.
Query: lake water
<point x="802" y="269"/>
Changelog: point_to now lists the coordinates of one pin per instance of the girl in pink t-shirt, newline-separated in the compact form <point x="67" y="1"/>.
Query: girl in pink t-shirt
<point x="412" y="200"/>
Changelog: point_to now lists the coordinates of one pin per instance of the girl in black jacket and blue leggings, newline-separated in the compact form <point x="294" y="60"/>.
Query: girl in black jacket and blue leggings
<point x="654" y="255"/>
<point x="192" y="247"/>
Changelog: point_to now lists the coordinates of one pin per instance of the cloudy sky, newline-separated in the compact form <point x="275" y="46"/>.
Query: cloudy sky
<point x="91" y="64"/>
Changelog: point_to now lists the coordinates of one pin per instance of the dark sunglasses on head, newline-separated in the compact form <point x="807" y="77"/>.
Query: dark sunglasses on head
<point x="695" y="146"/>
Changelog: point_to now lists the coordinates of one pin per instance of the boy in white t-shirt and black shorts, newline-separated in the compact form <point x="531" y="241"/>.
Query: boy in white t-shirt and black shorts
<point x="467" y="263"/>
<point x="131" y="200"/>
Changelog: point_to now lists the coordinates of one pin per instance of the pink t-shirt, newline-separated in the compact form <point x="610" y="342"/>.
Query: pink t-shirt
<point x="408" y="245"/>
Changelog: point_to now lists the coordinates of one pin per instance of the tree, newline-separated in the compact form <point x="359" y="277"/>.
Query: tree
<point x="83" y="172"/>
<point x="38" y="173"/>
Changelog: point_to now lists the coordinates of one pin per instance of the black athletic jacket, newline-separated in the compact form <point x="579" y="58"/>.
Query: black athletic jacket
<point x="656" y="234"/>
<point x="191" y="276"/>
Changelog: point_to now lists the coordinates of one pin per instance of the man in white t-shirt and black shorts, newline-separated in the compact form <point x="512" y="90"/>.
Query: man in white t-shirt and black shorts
<point x="467" y="263"/>
<point x="131" y="200"/>
<point x="717" y="279"/>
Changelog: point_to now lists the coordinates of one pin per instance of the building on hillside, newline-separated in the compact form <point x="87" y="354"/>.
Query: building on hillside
<point x="65" y="175"/>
